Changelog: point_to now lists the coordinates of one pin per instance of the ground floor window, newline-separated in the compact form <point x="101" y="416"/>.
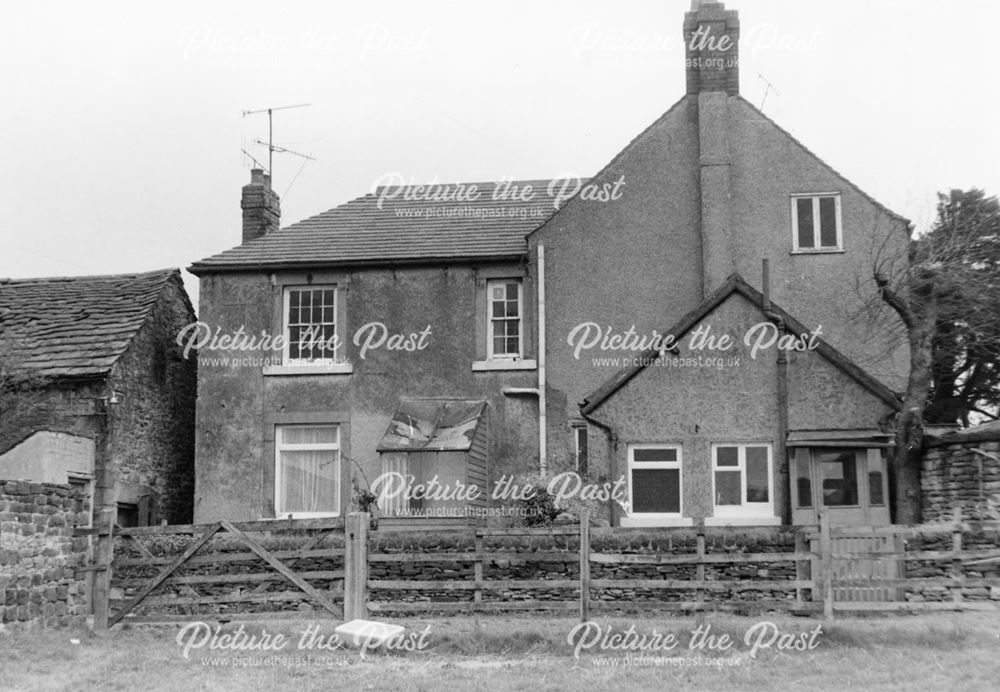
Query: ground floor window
<point x="654" y="481"/>
<point x="742" y="480"/>
<point x="307" y="470"/>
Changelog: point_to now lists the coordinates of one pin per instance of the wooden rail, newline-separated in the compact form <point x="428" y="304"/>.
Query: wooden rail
<point x="819" y="565"/>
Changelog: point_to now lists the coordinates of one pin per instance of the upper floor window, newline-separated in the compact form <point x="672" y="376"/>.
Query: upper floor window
<point x="504" y="328"/>
<point x="816" y="223"/>
<point x="310" y="325"/>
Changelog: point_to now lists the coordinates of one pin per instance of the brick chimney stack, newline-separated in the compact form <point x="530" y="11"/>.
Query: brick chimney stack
<point x="711" y="42"/>
<point x="261" y="206"/>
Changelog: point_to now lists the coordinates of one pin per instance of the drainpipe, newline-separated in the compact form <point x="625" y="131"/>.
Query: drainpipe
<point x="784" y="478"/>
<point x="612" y="446"/>
<point x="542" y="433"/>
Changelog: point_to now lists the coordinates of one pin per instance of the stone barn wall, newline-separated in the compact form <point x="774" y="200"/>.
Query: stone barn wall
<point x="39" y="557"/>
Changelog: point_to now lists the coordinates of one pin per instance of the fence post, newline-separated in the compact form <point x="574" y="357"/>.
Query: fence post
<point x="356" y="566"/>
<point x="956" y="564"/>
<point x="477" y="595"/>
<point x="103" y="555"/>
<point x="826" y="563"/>
<point x="700" y="568"/>
<point x="584" y="565"/>
<point x="800" y="547"/>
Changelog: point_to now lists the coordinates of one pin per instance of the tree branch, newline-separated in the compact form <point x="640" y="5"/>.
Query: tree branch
<point x="894" y="301"/>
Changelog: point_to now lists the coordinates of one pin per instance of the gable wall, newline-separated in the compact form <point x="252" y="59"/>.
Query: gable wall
<point x="152" y="426"/>
<point x="634" y="261"/>
<point x="835" y="291"/>
<point x="722" y="399"/>
<point x="642" y="260"/>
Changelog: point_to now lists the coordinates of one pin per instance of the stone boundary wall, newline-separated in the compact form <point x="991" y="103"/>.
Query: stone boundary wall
<point x="962" y="470"/>
<point x="626" y="541"/>
<point x="974" y="537"/>
<point x="39" y="556"/>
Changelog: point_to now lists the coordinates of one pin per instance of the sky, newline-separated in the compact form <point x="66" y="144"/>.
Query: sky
<point x="122" y="123"/>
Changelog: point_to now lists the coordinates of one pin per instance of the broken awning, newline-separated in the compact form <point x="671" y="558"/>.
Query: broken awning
<point x="433" y="425"/>
<point x="838" y="438"/>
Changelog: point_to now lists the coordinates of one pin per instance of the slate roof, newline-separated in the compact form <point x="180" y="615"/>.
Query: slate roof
<point x="76" y="326"/>
<point x="736" y="284"/>
<point x="400" y="231"/>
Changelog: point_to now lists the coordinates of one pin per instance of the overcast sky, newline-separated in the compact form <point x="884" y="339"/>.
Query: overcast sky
<point x="122" y="125"/>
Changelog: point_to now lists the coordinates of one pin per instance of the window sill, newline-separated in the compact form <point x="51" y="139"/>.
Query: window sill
<point x="652" y="521"/>
<point x="303" y="515"/>
<point x="747" y="520"/>
<point x="493" y="365"/>
<point x="822" y="251"/>
<point x="337" y="369"/>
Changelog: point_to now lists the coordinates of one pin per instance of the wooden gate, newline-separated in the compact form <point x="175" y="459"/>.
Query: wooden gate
<point x="857" y="571"/>
<point x="241" y="578"/>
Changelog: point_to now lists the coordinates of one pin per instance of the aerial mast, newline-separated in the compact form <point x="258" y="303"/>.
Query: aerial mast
<point x="271" y="148"/>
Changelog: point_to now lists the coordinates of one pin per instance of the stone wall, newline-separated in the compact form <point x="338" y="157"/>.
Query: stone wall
<point x="152" y="425"/>
<point x="39" y="557"/>
<point x="954" y="474"/>
<point x="564" y="563"/>
<point x="982" y="578"/>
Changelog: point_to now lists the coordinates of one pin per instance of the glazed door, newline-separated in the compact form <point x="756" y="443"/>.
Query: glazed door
<point x="849" y="482"/>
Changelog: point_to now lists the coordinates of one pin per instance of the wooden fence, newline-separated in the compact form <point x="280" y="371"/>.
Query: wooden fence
<point x="247" y="580"/>
<point x="828" y="570"/>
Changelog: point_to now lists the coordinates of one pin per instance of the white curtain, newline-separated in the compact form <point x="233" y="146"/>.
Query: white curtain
<point x="309" y="477"/>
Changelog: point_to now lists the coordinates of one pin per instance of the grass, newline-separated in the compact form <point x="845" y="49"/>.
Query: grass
<point x="930" y="652"/>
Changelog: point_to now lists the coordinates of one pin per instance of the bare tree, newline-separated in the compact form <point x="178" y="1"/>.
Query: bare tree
<point x="943" y="297"/>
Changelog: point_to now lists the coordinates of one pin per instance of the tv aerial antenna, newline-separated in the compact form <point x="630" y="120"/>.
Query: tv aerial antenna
<point x="271" y="147"/>
<point x="769" y="89"/>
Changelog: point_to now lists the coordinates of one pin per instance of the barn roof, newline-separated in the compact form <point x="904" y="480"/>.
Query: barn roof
<point x="386" y="227"/>
<point x="75" y="326"/>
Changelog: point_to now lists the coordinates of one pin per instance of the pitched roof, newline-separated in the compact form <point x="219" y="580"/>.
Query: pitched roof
<point x="736" y="284"/>
<point x="75" y="326"/>
<point x="400" y="230"/>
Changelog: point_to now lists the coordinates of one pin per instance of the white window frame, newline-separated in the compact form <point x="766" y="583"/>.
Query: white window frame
<point x="752" y="512"/>
<point x="817" y="248"/>
<point x="490" y="354"/>
<point x="656" y="518"/>
<point x="579" y="430"/>
<point x="286" y="342"/>
<point x="280" y="446"/>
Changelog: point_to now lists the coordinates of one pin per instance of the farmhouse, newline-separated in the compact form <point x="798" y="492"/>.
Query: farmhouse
<point x="712" y="221"/>
<point x="96" y="391"/>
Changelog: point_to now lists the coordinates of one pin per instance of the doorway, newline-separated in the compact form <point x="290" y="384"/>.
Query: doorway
<point x="850" y="483"/>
